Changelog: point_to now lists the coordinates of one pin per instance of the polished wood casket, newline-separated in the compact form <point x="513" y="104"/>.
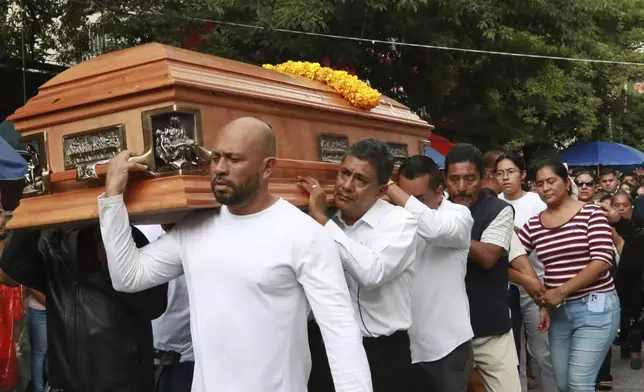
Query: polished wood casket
<point x="166" y="104"/>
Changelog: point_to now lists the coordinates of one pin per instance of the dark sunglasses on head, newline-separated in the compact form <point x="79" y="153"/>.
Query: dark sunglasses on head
<point x="587" y="183"/>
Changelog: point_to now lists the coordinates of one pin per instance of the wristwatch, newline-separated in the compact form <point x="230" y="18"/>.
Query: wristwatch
<point x="391" y="182"/>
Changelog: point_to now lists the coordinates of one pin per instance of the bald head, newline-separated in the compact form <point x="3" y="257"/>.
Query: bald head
<point x="243" y="158"/>
<point x="255" y="134"/>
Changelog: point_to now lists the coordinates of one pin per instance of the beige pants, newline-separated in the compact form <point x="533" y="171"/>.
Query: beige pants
<point x="496" y="359"/>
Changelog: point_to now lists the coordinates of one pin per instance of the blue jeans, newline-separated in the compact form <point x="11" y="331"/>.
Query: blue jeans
<point x="579" y="341"/>
<point x="38" y="338"/>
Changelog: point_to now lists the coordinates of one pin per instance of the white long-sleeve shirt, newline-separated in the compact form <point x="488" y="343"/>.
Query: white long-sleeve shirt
<point x="378" y="256"/>
<point x="250" y="280"/>
<point x="439" y="305"/>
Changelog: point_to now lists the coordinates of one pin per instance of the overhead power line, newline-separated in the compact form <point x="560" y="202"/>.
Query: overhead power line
<point x="380" y="41"/>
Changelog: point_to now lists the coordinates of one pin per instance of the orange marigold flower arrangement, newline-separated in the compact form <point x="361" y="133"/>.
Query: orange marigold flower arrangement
<point x="359" y="93"/>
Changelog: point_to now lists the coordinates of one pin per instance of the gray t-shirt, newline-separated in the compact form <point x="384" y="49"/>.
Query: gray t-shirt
<point x="171" y="330"/>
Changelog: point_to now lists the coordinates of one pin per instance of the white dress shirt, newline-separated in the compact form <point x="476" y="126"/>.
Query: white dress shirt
<point x="439" y="306"/>
<point x="378" y="256"/>
<point x="251" y="280"/>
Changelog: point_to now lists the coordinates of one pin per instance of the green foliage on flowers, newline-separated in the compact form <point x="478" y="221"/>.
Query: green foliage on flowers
<point x="491" y="100"/>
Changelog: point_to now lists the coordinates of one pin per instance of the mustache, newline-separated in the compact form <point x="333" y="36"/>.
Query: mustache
<point x="463" y="196"/>
<point x="221" y="179"/>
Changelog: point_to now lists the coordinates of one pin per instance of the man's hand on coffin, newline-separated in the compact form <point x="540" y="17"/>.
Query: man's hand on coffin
<point x="317" y="198"/>
<point x="118" y="169"/>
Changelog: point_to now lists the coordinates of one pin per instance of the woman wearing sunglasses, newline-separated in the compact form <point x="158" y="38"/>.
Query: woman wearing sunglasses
<point x="586" y="185"/>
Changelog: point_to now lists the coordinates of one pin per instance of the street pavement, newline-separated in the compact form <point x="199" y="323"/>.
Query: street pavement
<point x="625" y="379"/>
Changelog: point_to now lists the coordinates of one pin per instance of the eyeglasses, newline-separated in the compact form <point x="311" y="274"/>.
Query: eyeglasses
<point x="585" y="183"/>
<point x="509" y="173"/>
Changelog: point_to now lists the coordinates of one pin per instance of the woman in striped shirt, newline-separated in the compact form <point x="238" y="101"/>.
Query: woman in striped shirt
<point x="573" y="240"/>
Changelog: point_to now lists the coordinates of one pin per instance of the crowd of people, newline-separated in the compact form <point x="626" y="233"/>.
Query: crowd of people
<point x="431" y="281"/>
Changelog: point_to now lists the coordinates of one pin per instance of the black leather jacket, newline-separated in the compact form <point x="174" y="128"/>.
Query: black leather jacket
<point x="99" y="340"/>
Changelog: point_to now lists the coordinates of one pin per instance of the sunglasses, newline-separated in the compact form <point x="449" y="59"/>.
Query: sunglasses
<point x="586" y="183"/>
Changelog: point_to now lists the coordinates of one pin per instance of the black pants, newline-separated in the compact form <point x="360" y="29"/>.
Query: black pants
<point x="516" y="315"/>
<point x="449" y="374"/>
<point x="604" y="370"/>
<point x="630" y="332"/>
<point x="176" y="378"/>
<point x="320" y="379"/>
<point x="629" y="283"/>
<point x="389" y="361"/>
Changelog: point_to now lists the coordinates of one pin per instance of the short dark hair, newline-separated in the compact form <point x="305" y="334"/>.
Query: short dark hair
<point x="628" y="174"/>
<point x="377" y="153"/>
<point x="514" y="158"/>
<point x="603" y="196"/>
<point x="463" y="152"/>
<point x="419" y="165"/>
<point x="606" y="172"/>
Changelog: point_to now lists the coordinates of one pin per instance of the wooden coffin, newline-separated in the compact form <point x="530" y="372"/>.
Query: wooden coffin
<point x="126" y="99"/>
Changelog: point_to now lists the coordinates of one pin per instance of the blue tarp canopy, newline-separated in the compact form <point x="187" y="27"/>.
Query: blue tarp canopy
<point x="436" y="156"/>
<point x="12" y="165"/>
<point x="601" y="153"/>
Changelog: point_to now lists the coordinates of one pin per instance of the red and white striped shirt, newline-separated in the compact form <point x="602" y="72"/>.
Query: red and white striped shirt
<point x="569" y="248"/>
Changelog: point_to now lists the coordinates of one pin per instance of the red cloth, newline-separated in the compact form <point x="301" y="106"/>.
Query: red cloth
<point x="10" y="313"/>
<point x="440" y="144"/>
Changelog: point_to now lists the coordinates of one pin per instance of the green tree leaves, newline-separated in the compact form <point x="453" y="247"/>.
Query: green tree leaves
<point x="492" y="100"/>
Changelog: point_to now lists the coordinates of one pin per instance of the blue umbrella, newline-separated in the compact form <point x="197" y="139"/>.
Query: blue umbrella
<point x="12" y="165"/>
<point x="436" y="156"/>
<point x="601" y="153"/>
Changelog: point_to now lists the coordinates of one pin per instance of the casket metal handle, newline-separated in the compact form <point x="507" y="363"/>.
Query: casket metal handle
<point x="146" y="159"/>
<point x="204" y="156"/>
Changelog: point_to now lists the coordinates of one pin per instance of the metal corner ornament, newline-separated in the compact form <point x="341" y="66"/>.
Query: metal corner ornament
<point x="175" y="148"/>
<point x="33" y="177"/>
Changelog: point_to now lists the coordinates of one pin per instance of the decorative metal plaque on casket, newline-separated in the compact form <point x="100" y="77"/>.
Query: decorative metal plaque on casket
<point x="332" y="147"/>
<point x="173" y="140"/>
<point x="37" y="157"/>
<point x="83" y="151"/>
<point x="399" y="151"/>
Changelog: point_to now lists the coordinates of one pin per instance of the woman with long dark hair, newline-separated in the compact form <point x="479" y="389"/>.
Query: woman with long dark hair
<point x="574" y="241"/>
<point x="510" y="172"/>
